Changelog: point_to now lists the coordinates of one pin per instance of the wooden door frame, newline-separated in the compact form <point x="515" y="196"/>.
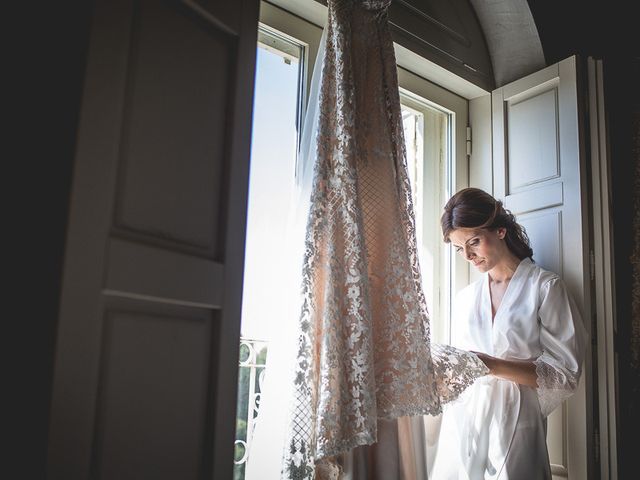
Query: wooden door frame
<point x="602" y="274"/>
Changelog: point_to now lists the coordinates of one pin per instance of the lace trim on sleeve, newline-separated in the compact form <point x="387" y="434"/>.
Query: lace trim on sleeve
<point x="555" y="384"/>
<point x="455" y="370"/>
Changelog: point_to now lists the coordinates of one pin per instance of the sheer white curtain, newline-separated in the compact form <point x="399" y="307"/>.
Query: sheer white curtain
<point x="264" y="461"/>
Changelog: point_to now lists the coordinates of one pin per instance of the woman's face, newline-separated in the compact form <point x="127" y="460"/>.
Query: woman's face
<point x="484" y="249"/>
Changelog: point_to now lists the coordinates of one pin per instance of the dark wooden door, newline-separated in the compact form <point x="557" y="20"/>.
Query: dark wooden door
<point x="147" y="346"/>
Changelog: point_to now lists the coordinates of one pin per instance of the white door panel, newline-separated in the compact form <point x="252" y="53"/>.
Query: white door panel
<point x="532" y="143"/>
<point x="147" y="346"/>
<point x="545" y="232"/>
<point x="539" y="172"/>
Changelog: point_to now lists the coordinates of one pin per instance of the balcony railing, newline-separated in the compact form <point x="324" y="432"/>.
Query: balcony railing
<point x="253" y="355"/>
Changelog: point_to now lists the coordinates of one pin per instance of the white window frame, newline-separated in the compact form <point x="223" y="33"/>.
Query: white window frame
<point x="452" y="174"/>
<point x="301" y="21"/>
<point x="300" y="30"/>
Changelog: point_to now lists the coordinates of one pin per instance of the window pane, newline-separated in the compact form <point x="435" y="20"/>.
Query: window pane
<point x="273" y="155"/>
<point x="271" y="181"/>
<point x="427" y="132"/>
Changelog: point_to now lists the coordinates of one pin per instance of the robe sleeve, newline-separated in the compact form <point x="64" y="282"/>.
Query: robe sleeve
<point x="563" y="341"/>
<point x="455" y="370"/>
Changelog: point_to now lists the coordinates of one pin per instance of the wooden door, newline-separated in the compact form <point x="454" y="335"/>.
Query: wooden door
<point x="147" y="346"/>
<point x="540" y="173"/>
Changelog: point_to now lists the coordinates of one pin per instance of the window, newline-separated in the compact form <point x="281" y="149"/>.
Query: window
<point x="280" y="69"/>
<point x="435" y="123"/>
<point x="432" y="119"/>
<point x="427" y="130"/>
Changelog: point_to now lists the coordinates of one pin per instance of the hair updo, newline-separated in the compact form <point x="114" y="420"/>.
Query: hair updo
<point x="475" y="208"/>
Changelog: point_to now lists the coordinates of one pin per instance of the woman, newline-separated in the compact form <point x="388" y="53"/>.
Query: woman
<point x="523" y="324"/>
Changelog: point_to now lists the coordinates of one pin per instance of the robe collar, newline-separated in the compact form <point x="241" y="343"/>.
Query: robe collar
<point x="521" y="270"/>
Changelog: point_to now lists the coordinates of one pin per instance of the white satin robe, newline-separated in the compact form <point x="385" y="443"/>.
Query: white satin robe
<point x="497" y="430"/>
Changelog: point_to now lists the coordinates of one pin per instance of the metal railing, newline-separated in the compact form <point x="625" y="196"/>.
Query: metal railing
<point x="251" y="368"/>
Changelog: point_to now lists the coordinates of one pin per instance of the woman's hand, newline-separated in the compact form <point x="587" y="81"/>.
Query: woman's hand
<point x="488" y="360"/>
<point x="519" y="371"/>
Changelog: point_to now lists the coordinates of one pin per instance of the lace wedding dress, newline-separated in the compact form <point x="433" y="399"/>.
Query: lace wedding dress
<point x="364" y="353"/>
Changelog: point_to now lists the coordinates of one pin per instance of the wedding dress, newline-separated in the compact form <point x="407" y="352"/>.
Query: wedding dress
<point x="364" y="360"/>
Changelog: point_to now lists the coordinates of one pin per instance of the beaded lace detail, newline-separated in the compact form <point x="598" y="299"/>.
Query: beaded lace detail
<point x="364" y="347"/>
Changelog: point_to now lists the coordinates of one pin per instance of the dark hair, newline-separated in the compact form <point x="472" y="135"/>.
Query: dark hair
<point x="475" y="208"/>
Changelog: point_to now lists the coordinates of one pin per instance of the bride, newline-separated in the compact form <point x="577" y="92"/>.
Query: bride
<point x="523" y="324"/>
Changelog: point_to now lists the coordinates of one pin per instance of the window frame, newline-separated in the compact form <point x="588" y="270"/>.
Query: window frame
<point x="453" y="272"/>
<point x="299" y="30"/>
<point x="411" y="84"/>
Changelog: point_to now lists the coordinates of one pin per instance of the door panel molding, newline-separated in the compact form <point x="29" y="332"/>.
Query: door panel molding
<point x="148" y="270"/>
<point x="546" y="196"/>
<point x="164" y="346"/>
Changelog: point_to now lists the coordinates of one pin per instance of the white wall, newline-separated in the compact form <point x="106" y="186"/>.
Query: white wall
<point x="480" y="163"/>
